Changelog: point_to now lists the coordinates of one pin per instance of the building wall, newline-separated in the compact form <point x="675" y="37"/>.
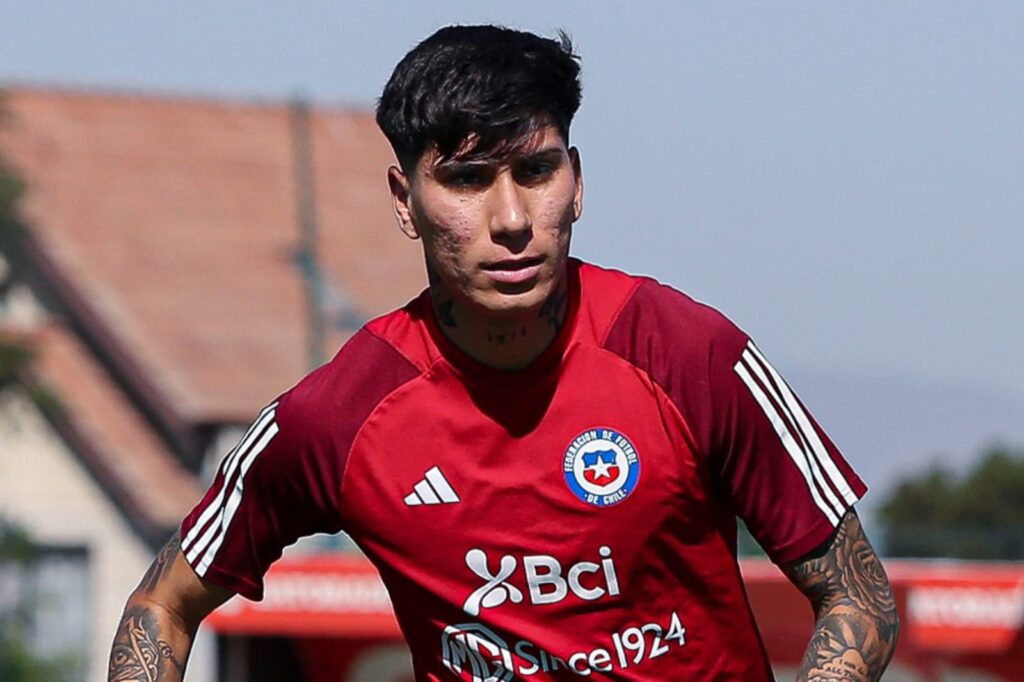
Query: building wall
<point x="45" y="490"/>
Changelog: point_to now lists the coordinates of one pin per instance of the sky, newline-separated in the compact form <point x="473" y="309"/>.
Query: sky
<point x="846" y="181"/>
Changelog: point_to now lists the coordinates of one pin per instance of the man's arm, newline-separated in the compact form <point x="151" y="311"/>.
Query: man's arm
<point x="160" y="620"/>
<point x="856" y="626"/>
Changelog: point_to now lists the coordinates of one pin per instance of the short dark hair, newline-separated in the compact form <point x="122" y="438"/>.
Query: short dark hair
<point x="495" y="84"/>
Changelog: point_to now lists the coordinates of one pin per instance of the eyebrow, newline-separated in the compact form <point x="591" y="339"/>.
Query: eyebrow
<point x="459" y="164"/>
<point x="541" y="153"/>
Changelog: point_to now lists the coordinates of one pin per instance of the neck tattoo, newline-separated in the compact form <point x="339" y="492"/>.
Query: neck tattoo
<point x="553" y="310"/>
<point x="502" y="338"/>
<point x="441" y="300"/>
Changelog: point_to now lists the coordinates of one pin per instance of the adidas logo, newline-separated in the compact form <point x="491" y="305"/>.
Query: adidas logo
<point x="433" y="488"/>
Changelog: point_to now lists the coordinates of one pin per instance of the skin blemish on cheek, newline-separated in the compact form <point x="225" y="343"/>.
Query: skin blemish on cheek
<point x="496" y="236"/>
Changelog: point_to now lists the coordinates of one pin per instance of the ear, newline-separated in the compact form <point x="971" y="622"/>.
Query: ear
<point x="577" y="169"/>
<point x="401" y="200"/>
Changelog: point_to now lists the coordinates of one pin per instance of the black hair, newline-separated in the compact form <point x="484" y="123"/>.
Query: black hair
<point x="488" y="87"/>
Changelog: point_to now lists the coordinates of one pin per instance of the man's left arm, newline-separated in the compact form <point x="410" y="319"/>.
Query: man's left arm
<point x="856" y="625"/>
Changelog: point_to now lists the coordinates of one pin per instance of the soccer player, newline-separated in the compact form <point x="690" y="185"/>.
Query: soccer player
<point x="544" y="458"/>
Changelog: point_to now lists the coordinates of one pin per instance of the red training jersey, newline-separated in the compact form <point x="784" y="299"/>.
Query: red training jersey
<point x="576" y="518"/>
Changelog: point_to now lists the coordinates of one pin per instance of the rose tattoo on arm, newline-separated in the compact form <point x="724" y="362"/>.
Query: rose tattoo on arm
<point x="856" y="625"/>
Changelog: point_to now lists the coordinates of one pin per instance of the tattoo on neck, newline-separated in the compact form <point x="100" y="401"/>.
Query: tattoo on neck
<point x="553" y="310"/>
<point x="139" y="655"/>
<point x="506" y="337"/>
<point x="440" y="299"/>
<point x="443" y="309"/>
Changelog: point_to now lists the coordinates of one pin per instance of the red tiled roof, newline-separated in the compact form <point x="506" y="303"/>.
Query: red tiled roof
<point x="176" y="220"/>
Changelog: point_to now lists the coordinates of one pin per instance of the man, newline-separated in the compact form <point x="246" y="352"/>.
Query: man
<point x="544" y="459"/>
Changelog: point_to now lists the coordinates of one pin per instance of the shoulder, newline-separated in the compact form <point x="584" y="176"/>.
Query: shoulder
<point x="686" y="347"/>
<point x="338" y="396"/>
<point x="657" y="324"/>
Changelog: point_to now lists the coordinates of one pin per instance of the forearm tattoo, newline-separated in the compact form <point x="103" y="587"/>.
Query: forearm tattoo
<point x="139" y="654"/>
<point x="161" y="564"/>
<point x="856" y="624"/>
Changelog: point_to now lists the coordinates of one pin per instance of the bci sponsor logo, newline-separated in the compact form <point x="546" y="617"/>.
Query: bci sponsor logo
<point x="546" y="580"/>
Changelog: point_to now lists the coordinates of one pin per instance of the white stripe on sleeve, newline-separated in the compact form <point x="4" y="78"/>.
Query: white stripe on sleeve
<point x="752" y="364"/>
<point x="834" y="475"/>
<point x="795" y="453"/>
<point x="235" y="500"/>
<point x="227" y="470"/>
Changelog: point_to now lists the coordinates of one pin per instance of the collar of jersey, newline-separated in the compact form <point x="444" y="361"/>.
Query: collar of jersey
<point x="542" y="366"/>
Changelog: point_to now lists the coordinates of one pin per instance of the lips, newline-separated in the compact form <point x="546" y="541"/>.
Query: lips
<point x="513" y="270"/>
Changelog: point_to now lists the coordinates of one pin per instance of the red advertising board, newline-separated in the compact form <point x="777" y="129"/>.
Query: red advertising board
<point x="334" y="595"/>
<point x="963" y="608"/>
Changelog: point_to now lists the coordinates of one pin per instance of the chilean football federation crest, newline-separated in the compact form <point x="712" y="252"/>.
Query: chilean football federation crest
<point x="601" y="467"/>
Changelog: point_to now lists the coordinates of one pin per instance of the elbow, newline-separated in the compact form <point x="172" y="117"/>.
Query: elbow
<point x="141" y="602"/>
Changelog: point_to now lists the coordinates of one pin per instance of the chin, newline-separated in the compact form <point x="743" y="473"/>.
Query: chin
<point x="501" y="304"/>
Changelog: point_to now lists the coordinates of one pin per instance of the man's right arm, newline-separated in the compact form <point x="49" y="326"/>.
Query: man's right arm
<point x="160" y="620"/>
<point x="281" y="482"/>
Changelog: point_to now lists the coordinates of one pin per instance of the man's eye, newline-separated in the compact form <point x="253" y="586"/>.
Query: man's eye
<point x="536" y="171"/>
<point x="466" y="178"/>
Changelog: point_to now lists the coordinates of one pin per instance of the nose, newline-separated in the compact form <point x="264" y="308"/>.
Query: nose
<point x="509" y="214"/>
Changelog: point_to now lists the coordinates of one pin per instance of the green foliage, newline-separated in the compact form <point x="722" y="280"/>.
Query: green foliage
<point x="48" y="402"/>
<point x="12" y="229"/>
<point x="14" y="357"/>
<point x="12" y="188"/>
<point x="18" y="663"/>
<point x="15" y="544"/>
<point x="977" y="516"/>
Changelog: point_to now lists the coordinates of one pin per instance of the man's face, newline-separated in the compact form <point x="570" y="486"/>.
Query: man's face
<point x="495" y="232"/>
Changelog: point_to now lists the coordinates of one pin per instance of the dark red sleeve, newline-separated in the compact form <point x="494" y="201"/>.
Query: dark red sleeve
<point x="283" y="480"/>
<point x="785" y="477"/>
<point x="767" y="455"/>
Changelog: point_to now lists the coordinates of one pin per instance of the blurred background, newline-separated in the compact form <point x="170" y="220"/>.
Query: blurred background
<point x="193" y="213"/>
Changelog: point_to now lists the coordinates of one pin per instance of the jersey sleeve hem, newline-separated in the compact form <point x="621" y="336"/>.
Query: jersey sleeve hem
<point x="237" y="584"/>
<point x="816" y="536"/>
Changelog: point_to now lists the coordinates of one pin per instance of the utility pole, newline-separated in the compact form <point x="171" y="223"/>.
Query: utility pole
<point x="305" y="202"/>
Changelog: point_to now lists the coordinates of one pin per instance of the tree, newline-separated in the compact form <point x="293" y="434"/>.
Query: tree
<point x="977" y="516"/>
<point x="18" y="663"/>
<point x="12" y="187"/>
<point x="19" y="555"/>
